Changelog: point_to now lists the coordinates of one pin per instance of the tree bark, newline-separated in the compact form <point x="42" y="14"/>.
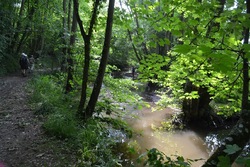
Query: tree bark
<point x="70" y="59"/>
<point x="63" y="36"/>
<point x="102" y="67"/>
<point x="196" y="110"/>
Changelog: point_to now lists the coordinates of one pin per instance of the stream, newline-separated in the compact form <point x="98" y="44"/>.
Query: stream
<point x="187" y="143"/>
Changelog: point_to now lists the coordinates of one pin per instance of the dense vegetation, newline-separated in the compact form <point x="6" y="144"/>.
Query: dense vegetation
<point x="193" y="53"/>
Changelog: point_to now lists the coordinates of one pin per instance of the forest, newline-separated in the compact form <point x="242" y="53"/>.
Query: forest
<point x="98" y="62"/>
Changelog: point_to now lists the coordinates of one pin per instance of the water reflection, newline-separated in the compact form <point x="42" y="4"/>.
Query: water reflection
<point x="212" y="142"/>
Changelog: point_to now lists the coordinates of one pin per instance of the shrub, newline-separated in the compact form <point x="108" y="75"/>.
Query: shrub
<point x="157" y="158"/>
<point x="61" y="124"/>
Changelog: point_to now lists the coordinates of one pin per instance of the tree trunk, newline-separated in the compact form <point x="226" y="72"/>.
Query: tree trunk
<point x="87" y="49"/>
<point x="18" y="26"/>
<point x="70" y="59"/>
<point x="64" y="32"/>
<point x="194" y="108"/>
<point x="27" y="31"/>
<point x="102" y="67"/>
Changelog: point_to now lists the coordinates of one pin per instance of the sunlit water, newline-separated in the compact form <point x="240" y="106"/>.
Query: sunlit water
<point x="184" y="143"/>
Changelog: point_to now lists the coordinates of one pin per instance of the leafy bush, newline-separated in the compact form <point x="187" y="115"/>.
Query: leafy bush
<point x="45" y="109"/>
<point x="96" y="146"/>
<point x="61" y="124"/>
<point x="157" y="158"/>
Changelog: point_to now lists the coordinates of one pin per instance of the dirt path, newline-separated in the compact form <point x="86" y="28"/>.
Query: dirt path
<point x="22" y="140"/>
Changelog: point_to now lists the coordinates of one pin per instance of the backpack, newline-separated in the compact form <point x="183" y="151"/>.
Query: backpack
<point x="24" y="60"/>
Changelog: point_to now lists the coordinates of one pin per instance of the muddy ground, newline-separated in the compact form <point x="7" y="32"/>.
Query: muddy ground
<point x="23" y="142"/>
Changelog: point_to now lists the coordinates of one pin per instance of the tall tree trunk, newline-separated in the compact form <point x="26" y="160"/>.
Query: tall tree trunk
<point x="134" y="15"/>
<point x="70" y="59"/>
<point x="27" y="31"/>
<point x="87" y="49"/>
<point x="63" y="36"/>
<point x="240" y="134"/>
<point x="102" y="67"/>
<point x="18" y="26"/>
<point x="137" y="55"/>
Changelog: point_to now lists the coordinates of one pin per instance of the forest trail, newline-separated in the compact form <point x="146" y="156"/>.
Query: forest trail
<point x="23" y="143"/>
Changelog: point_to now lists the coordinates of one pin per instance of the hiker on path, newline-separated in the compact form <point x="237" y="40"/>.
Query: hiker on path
<point x="24" y="63"/>
<point x="32" y="63"/>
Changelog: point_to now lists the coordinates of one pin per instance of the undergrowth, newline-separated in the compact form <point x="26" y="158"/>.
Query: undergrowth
<point x="91" y="139"/>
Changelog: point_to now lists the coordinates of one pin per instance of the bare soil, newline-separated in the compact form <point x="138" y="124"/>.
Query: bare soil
<point x="23" y="142"/>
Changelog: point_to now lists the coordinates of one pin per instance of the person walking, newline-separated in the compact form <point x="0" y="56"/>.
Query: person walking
<point x="24" y="63"/>
<point x="32" y="63"/>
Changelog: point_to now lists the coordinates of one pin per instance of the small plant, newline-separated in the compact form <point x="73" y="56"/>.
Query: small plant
<point x="231" y="149"/>
<point x="156" y="158"/>
<point x="96" y="146"/>
<point x="61" y="124"/>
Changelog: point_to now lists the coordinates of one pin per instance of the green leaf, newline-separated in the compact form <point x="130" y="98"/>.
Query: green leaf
<point x="223" y="161"/>
<point x="246" y="47"/>
<point x="183" y="48"/>
<point x="222" y="62"/>
<point x="176" y="33"/>
<point x="204" y="48"/>
<point x="231" y="149"/>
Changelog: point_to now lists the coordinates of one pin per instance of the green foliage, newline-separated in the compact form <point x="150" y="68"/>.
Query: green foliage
<point x="7" y="14"/>
<point x="93" y="139"/>
<point x="48" y="99"/>
<point x="9" y="63"/>
<point x="61" y="124"/>
<point x="206" y="49"/>
<point x="243" y="161"/>
<point x="96" y="147"/>
<point x="223" y="161"/>
<point x="152" y="68"/>
<point x="121" y="91"/>
<point x="231" y="149"/>
<point x="46" y="89"/>
<point x="121" y="52"/>
<point x="157" y="158"/>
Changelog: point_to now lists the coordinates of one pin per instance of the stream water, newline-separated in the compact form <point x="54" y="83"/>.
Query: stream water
<point x="188" y="144"/>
